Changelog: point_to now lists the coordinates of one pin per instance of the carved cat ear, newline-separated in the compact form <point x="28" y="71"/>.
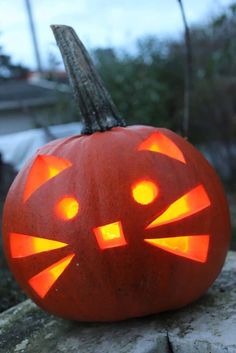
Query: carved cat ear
<point x="43" y="169"/>
<point x="159" y="143"/>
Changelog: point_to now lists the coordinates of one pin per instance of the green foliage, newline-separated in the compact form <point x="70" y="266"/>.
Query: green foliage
<point x="148" y="85"/>
<point x="140" y="83"/>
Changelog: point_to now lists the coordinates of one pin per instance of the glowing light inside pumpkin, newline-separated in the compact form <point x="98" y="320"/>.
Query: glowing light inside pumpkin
<point x="194" y="247"/>
<point x="144" y="192"/>
<point x="43" y="281"/>
<point x="67" y="208"/>
<point x="22" y="245"/>
<point x="187" y="205"/>
<point x="160" y="143"/>
<point x="110" y="235"/>
<point x="43" y="169"/>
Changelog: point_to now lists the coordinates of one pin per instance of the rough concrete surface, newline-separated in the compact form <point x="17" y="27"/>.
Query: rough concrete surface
<point x="207" y="326"/>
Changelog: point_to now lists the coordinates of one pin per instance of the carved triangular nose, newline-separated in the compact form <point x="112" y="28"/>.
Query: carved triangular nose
<point x="110" y="235"/>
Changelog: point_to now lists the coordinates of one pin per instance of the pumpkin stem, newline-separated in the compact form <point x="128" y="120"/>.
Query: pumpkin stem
<point x="98" y="110"/>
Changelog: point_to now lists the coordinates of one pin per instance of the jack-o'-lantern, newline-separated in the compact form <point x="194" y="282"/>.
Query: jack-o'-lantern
<point x="114" y="224"/>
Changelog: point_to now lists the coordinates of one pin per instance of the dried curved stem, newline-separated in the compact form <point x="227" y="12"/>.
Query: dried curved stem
<point x="98" y="110"/>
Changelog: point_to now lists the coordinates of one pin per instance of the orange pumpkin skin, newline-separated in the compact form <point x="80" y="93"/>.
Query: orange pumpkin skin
<point x="134" y="278"/>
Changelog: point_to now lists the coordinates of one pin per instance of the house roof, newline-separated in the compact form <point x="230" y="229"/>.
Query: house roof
<point x="19" y="147"/>
<point x="21" y="94"/>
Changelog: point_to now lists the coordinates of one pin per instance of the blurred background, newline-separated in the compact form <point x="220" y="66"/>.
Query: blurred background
<point x="139" y="50"/>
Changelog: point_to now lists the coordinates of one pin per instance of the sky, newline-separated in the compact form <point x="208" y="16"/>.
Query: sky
<point x="99" y="23"/>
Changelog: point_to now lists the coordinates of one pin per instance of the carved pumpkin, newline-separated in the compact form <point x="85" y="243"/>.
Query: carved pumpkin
<point x="115" y="224"/>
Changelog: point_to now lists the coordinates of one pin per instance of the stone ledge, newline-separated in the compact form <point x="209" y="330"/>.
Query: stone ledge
<point x="207" y="326"/>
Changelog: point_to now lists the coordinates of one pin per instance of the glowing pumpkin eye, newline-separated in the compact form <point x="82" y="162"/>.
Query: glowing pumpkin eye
<point x="144" y="192"/>
<point x="67" y="208"/>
